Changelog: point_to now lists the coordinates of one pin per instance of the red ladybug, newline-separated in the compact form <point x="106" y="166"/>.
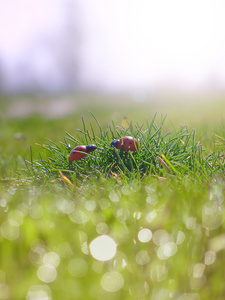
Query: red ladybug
<point x="76" y="154"/>
<point x="126" y="143"/>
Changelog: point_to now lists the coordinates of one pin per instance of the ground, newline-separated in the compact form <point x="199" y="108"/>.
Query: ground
<point x="155" y="237"/>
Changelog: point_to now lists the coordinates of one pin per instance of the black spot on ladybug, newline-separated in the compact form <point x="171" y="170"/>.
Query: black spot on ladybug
<point x="130" y="143"/>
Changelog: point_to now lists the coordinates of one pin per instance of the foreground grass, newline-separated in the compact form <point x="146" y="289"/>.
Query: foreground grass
<point x="167" y="228"/>
<point x="169" y="237"/>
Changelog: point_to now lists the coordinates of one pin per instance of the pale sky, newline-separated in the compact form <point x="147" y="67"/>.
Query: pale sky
<point x="129" y="43"/>
<point x="21" y="20"/>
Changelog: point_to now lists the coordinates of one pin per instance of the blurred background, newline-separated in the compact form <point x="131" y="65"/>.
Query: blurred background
<point x="58" y="54"/>
<point x="129" y="46"/>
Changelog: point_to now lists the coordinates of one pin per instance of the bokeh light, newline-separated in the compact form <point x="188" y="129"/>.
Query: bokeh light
<point x="15" y="217"/>
<point x="210" y="257"/>
<point x="47" y="273"/>
<point x="211" y="216"/>
<point x="90" y="205"/>
<point x="102" y="228"/>
<point x="190" y="223"/>
<point x="78" y="216"/>
<point x="217" y="243"/>
<point x="180" y="237"/>
<point x="142" y="257"/>
<point x="64" y="249"/>
<point x="167" y="250"/>
<point x="103" y="248"/>
<point x="9" y="231"/>
<point x="114" y="196"/>
<point x="77" y="267"/>
<point x="160" y="237"/>
<point x="197" y="283"/>
<point x="144" y="235"/>
<point x="151" y="216"/>
<point x="51" y="259"/>
<point x="112" y="281"/>
<point x="198" y="270"/>
<point x="39" y="292"/>
<point x="37" y="252"/>
<point x="36" y="211"/>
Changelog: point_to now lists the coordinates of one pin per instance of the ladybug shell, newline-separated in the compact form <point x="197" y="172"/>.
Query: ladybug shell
<point x="128" y="143"/>
<point x="77" y="155"/>
<point x="74" y="155"/>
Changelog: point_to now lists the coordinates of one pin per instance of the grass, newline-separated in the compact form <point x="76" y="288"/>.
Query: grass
<point x="177" y="152"/>
<point x="163" y="207"/>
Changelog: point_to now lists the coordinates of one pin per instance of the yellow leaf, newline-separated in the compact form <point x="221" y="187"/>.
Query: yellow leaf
<point x="66" y="179"/>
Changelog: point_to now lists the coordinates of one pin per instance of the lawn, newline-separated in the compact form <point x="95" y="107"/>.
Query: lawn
<point x="115" y="224"/>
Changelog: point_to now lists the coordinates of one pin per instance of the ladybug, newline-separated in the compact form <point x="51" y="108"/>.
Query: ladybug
<point x="126" y="143"/>
<point x="76" y="154"/>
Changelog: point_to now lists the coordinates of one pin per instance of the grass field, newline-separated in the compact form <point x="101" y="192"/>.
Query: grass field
<point x="115" y="224"/>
